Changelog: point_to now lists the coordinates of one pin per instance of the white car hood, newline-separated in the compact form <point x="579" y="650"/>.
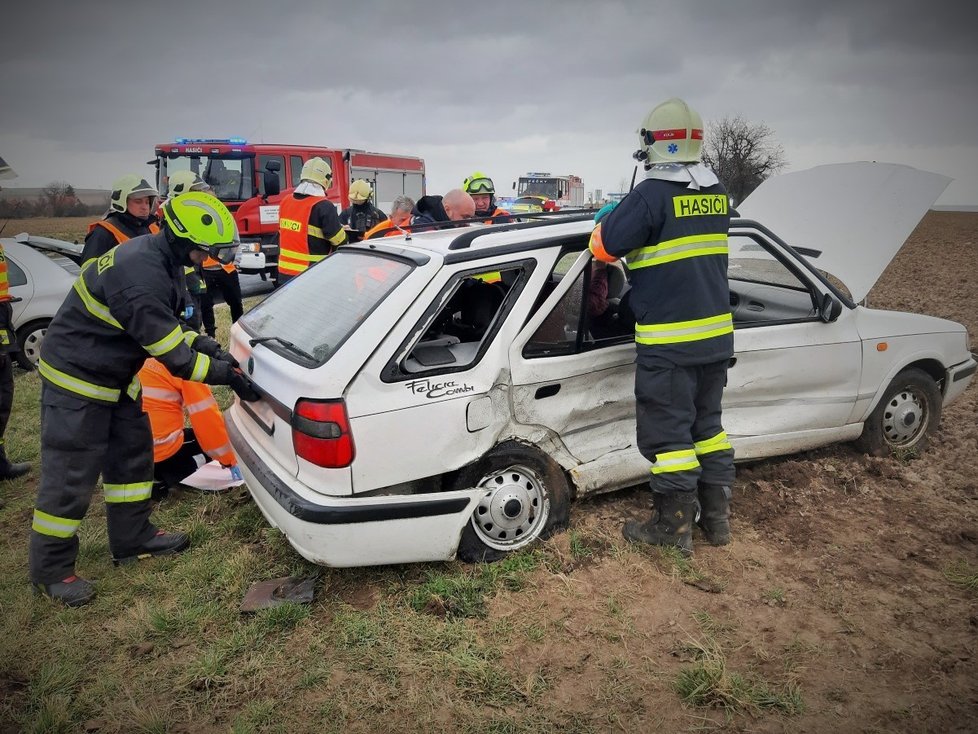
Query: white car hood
<point x="855" y="215"/>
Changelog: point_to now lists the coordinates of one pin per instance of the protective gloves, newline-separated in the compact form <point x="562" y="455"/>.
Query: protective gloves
<point x="205" y="345"/>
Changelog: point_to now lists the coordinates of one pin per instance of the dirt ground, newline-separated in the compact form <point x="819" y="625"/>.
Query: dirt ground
<point x="836" y="579"/>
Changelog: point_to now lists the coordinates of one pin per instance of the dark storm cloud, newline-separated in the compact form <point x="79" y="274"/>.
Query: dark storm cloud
<point x="540" y="78"/>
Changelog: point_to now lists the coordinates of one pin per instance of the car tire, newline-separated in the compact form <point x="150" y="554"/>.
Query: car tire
<point x="527" y="497"/>
<point x="906" y="417"/>
<point x="29" y="338"/>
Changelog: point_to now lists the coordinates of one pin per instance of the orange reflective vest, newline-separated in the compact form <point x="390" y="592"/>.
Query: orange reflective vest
<point x="294" y="257"/>
<point x="212" y="264"/>
<point x="380" y="227"/>
<point x="4" y="283"/>
<point x="119" y="235"/>
<point x="165" y="398"/>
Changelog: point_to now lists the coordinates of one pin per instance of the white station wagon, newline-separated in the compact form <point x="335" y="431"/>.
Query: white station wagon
<point x="449" y="393"/>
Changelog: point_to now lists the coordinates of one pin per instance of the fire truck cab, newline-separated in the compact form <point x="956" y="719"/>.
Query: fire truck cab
<point x="251" y="179"/>
<point x="559" y="192"/>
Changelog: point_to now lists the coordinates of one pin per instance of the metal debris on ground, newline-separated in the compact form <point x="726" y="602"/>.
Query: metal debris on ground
<point x="271" y="593"/>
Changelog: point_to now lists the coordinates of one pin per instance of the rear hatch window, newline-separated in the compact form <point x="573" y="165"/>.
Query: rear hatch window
<point x="307" y="320"/>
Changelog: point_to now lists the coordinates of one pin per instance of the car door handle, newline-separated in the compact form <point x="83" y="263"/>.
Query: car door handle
<point x="547" y="391"/>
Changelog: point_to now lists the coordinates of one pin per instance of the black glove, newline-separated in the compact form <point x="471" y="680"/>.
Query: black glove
<point x="205" y="345"/>
<point x="242" y="385"/>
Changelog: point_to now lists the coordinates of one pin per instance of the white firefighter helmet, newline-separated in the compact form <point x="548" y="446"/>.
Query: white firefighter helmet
<point x="182" y="182"/>
<point x="318" y="171"/>
<point x="129" y="185"/>
<point x="671" y="133"/>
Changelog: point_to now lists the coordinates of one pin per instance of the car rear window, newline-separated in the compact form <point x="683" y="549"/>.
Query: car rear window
<point x="310" y="317"/>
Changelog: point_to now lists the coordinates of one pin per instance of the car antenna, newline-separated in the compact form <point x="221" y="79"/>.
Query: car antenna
<point x="634" y="174"/>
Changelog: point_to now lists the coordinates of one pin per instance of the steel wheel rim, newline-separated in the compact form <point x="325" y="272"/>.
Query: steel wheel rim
<point x="905" y="417"/>
<point x="513" y="509"/>
<point x="32" y="345"/>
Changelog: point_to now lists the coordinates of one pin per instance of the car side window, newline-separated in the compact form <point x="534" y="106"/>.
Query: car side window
<point x="763" y="289"/>
<point x="295" y="168"/>
<point x="591" y="314"/>
<point x="15" y="276"/>
<point x="458" y="332"/>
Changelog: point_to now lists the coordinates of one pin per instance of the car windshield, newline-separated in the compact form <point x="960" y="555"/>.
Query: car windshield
<point x="231" y="178"/>
<point x="538" y="187"/>
<point x="307" y="320"/>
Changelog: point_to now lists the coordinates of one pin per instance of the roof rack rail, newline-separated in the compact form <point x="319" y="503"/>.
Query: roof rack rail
<point x="465" y="239"/>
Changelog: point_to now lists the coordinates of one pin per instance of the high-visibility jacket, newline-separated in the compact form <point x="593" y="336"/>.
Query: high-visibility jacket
<point x="376" y="230"/>
<point x="4" y="282"/>
<point x="497" y="216"/>
<point x="309" y="230"/>
<point x="166" y="398"/>
<point x="124" y="306"/>
<point x="212" y="264"/>
<point x="115" y="229"/>
<point x="674" y="240"/>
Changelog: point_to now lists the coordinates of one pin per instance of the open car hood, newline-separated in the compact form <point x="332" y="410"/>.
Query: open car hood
<point x="854" y="217"/>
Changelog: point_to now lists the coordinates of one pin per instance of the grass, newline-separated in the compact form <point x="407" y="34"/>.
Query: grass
<point x="963" y="574"/>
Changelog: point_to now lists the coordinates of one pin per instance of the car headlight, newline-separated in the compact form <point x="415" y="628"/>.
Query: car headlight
<point x="250" y="247"/>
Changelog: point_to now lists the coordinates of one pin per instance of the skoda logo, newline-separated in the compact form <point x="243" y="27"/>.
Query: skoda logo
<point x="251" y="365"/>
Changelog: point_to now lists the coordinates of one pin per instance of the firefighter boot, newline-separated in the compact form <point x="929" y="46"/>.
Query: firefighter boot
<point x="8" y="470"/>
<point x="72" y="591"/>
<point x="714" y="517"/>
<point x="671" y="523"/>
<point x="161" y="544"/>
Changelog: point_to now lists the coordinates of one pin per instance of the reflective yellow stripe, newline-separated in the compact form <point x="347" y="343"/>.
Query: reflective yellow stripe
<point x="718" y="443"/>
<point x="95" y="307"/>
<point x="200" y="405"/>
<point x="189" y="337"/>
<point x="673" y="461"/>
<point x="135" y="387"/>
<point x="76" y="385"/>
<point x="57" y="527"/>
<point x="684" y="331"/>
<point x="339" y="238"/>
<point x="135" y="492"/>
<point x="677" y="249"/>
<point x="315" y="231"/>
<point x="299" y="257"/>
<point x="167" y="344"/>
<point x="201" y="366"/>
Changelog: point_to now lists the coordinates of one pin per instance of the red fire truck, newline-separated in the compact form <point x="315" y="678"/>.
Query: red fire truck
<point x="253" y="178"/>
<point x="560" y="192"/>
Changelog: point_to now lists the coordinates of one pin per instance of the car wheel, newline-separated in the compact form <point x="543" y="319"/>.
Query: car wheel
<point x="906" y="417"/>
<point x="29" y="338"/>
<point x="525" y="497"/>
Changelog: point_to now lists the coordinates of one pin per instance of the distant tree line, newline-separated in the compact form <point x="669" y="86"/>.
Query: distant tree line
<point x="57" y="199"/>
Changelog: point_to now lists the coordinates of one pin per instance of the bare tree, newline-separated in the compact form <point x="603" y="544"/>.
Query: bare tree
<point x="742" y="154"/>
<point x="60" y="198"/>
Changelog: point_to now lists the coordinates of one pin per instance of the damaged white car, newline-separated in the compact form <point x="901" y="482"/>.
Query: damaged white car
<point x="449" y="393"/>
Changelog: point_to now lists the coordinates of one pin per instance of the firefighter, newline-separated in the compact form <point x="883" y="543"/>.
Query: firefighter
<point x="672" y="230"/>
<point x="131" y="213"/>
<point x="480" y="187"/>
<point x="181" y="182"/>
<point x="8" y="346"/>
<point x="123" y="307"/>
<point x="309" y="229"/>
<point x="177" y="451"/>
<point x="399" y="219"/>
<point x="361" y="215"/>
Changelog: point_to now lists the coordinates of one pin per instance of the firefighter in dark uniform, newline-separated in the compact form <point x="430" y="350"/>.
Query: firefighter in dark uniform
<point x="483" y="192"/>
<point x="309" y="228"/>
<point x="361" y="215"/>
<point x="8" y="346"/>
<point x="182" y="182"/>
<point x="672" y="231"/>
<point x="131" y="213"/>
<point x="123" y="307"/>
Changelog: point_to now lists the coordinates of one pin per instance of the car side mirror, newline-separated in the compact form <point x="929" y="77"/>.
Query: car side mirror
<point x="830" y="309"/>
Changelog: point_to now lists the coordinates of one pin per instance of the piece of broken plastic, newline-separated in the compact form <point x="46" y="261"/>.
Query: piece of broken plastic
<point x="271" y="593"/>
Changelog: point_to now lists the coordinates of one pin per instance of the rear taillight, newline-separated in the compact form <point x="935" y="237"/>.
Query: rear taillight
<point x="321" y="433"/>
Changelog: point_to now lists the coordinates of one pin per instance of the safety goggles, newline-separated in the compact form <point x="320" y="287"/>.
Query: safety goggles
<point x="224" y="254"/>
<point x="480" y="186"/>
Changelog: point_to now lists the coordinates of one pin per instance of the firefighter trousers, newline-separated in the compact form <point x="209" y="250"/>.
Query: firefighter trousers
<point x="229" y="285"/>
<point x="79" y="440"/>
<point x="680" y="431"/>
<point x="6" y="391"/>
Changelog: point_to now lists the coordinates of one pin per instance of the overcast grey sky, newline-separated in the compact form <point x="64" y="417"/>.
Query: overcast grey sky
<point x="88" y="88"/>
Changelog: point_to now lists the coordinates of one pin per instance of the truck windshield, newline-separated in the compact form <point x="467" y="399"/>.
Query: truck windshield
<point x="232" y="178"/>
<point x="538" y="187"/>
<point x="320" y="309"/>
